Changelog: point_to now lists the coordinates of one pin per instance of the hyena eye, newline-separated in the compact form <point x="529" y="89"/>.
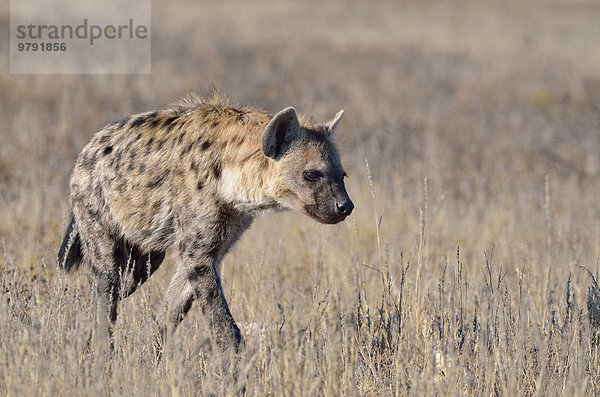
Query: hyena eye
<point x="313" y="176"/>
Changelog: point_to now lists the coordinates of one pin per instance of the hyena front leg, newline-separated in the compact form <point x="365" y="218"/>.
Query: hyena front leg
<point x="208" y="290"/>
<point x="198" y="279"/>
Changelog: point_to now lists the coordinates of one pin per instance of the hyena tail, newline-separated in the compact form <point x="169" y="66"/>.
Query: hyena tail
<point x="69" y="254"/>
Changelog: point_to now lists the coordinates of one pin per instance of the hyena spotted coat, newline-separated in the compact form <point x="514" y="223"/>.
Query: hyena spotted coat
<point x="192" y="178"/>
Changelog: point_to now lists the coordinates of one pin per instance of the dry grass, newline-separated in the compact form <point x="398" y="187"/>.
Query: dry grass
<point x="470" y="265"/>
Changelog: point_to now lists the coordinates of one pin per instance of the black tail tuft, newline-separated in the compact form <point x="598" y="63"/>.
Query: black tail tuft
<point x="69" y="254"/>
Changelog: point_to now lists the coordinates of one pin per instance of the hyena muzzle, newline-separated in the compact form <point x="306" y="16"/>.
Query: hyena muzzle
<point x="191" y="178"/>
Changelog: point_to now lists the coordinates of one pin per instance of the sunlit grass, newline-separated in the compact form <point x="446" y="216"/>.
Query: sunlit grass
<point x="470" y="264"/>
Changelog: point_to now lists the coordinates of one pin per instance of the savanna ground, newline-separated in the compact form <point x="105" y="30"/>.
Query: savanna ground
<point x="468" y="267"/>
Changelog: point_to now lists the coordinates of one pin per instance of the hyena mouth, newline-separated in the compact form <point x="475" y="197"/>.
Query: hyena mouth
<point x="327" y="218"/>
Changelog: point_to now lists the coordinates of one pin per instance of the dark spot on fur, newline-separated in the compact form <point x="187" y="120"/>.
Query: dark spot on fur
<point x="128" y="146"/>
<point x="107" y="150"/>
<point x="186" y="307"/>
<point x="97" y="253"/>
<point x="170" y="120"/>
<point x="212" y="295"/>
<point x="77" y="198"/>
<point x="161" y="143"/>
<point x="180" y="138"/>
<point x="237" y="141"/>
<point x="205" y="145"/>
<point x="217" y="170"/>
<point x="149" y="146"/>
<point x="199" y="272"/>
<point x="159" y="180"/>
<point x="170" y="127"/>
<point x="87" y="160"/>
<point x="193" y="166"/>
<point x="204" y="246"/>
<point x="142" y="167"/>
<point x="96" y="272"/>
<point x="138" y="121"/>
<point x="182" y="124"/>
<point x="156" y="205"/>
<point x="154" y="123"/>
<point x="139" y="135"/>
<point x="187" y="149"/>
<point x="215" y="124"/>
<point x="118" y="159"/>
<point x="200" y="185"/>
<point x="120" y="123"/>
<point x="196" y="246"/>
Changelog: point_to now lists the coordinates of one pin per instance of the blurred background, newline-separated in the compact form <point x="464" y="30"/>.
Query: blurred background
<point x="484" y="99"/>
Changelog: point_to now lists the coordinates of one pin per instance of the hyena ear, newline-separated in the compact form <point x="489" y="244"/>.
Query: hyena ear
<point x="333" y="123"/>
<point x="280" y="133"/>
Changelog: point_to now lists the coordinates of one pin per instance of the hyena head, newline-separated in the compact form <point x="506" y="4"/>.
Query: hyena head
<point x="310" y="177"/>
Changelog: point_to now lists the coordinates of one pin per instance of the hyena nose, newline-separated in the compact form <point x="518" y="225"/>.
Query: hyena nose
<point x="344" y="208"/>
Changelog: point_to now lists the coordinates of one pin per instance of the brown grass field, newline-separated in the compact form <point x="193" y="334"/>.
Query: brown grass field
<point x="469" y="266"/>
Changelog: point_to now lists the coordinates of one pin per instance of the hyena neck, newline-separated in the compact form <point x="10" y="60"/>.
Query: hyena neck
<point x="246" y="186"/>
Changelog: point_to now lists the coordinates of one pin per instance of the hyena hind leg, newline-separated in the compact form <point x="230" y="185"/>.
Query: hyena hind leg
<point x="99" y="249"/>
<point x="136" y="266"/>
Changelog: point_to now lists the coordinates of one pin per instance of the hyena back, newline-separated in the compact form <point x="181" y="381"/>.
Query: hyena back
<point x="192" y="178"/>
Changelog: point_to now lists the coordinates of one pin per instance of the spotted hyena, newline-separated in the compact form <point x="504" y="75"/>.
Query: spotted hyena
<point x="192" y="178"/>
